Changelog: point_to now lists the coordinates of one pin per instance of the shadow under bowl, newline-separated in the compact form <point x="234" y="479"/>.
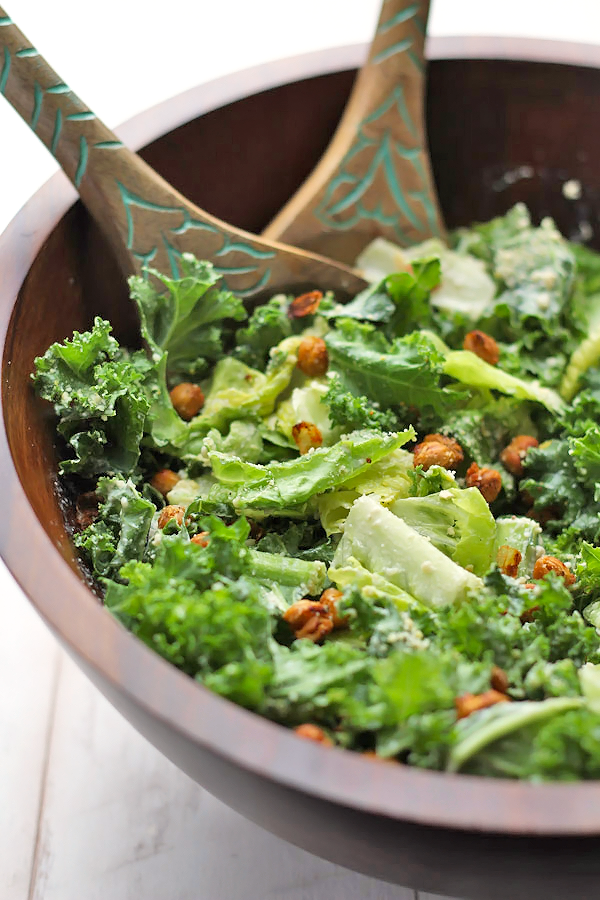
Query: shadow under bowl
<point x="501" y="130"/>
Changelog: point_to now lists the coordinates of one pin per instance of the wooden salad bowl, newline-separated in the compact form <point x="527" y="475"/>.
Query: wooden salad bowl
<point x="505" y="124"/>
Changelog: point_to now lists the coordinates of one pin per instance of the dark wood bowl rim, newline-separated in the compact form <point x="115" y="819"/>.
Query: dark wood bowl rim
<point x="91" y="634"/>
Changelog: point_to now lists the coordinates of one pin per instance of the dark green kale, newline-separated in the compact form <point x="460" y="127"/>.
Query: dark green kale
<point x="99" y="399"/>
<point x="268" y="324"/>
<point x="198" y="608"/>
<point x="189" y="319"/>
<point x="401" y="301"/>
<point x="120" y="532"/>
<point x="352" y="412"/>
<point x="404" y="372"/>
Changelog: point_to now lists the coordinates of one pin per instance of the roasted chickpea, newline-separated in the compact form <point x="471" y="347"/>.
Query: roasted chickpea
<point x="330" y="598"/>
<point x="86" y="509"/>
<point x="499" y="680"/>
<point x="305" y="304"/>
<point x="306" y="435"/>
<point x="483" y="346"/>
<point x="489" y="481"/>
<point x="188" y="399"/>
<point x="313" y="358"/>
<point x="202" y="539"/>
<point x="164" y="481"/>
<point x="470" y="703"/>
<point x="171" y="512"/>
<point x="309" y="619"/>
<point x="546" y="564"/>
<point x="313" y="733"/>
<point x="508" y="560"/>
<point x="513" y="455"/>
<point x="438" y="450"/>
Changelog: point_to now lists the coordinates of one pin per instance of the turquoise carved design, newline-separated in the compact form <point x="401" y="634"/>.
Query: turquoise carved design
<point x="346" y="201"/>
<point x="83" y="158"/>
<point x="27" y="53"/>
<point x="60" y="118"/>
<point x="5" y="71"/>
<point x="5" y="20"/>
<point x="255" y="255"/>
<point x="347" y="192"/>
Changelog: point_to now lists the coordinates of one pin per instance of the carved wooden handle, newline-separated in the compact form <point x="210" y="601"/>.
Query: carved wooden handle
<point x="374" y="179"/>
<point x="145" y="219"/>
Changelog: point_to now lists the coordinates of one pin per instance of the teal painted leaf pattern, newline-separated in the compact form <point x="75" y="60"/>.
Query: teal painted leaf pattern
<point x="169" y="235"/>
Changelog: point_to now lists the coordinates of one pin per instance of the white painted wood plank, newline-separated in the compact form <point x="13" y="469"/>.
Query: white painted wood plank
<point x="28" y="660"/>
<point x="121" y="822"/>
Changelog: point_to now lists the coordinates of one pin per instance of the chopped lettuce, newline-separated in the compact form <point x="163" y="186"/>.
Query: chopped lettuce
<point x="403" y="373"/>
<point x="457" y="522"/>
<point x="288" y="484"/>
<point x="384" y="543"/>
<point x="522" y="534"/>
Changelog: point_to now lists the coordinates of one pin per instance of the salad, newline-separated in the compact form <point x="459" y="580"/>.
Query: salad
<point x="377" y="522"/>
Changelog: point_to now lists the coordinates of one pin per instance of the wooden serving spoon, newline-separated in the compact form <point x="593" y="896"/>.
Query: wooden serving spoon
<point x="374" y="179"/>
<point x="146" y="221"/>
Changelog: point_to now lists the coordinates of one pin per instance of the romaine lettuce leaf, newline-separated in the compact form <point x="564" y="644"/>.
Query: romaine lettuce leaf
<point x="457" y="522"/>
<point x="405" y="372"/>
<point x="385" y="544"/>
<point x="280" y="485"/>
<point x="470" y="369"/>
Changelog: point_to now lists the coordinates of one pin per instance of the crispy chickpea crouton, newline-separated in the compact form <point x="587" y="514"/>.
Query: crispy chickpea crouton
<point x="470" y="703"/>
<point x="508" y="560"/>
<point x="188" y="399"/>
<point x="164" y="481"/>
<point x="313" y="733"/>
<point x="546" y="564"/>
<point x="309" y="619"/>
<point x="489" y="481"/>
<point x="513" y="455"/>
<point x="171" y="512"/>
<point x="313" y="358"/>
<point x="438" y="450"/>
<point x="307" y="436"/>
<point x="483" y="346"/>
<point x="305" y="304"/>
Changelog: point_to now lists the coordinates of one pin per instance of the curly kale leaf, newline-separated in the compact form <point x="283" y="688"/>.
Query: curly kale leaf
<point x="99" y="398"/>
<point x="352" y="412"/>
<point x="198" y="608"/>
<point x="562" y="494"/>
<point x="267" y="326"/>
<point x="187" y="320"/>
<point x="400" y="300"/>
<point x="120" y="532"/>
<point x="404" y="372"/>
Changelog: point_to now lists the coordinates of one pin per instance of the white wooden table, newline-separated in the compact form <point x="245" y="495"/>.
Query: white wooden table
<point x="89" y="809"/>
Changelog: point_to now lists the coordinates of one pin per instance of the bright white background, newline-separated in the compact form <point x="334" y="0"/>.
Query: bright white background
<point x="87" y="808"/>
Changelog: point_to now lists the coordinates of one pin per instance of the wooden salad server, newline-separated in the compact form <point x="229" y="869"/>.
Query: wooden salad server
<point x="374" y="179"/>
<point x="146" y="221"/>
